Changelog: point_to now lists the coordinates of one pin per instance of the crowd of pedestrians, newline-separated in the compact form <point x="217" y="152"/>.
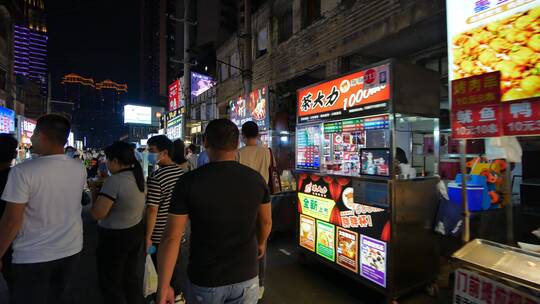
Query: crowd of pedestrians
<point x="212" y="209"/>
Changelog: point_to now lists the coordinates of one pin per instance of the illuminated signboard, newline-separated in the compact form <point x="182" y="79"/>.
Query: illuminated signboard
<point x="7" y="120"/>
<point x="176" y="98"/>
<point x="348" y="94"/>
<point x="316" y="207"/>
<point x="373" y="260"/>
<point x="497" y="35"/>
<point x="173" y="124"/>
<point x="307" y="232"/>
<point x="137" y="115"/>
<point x="26" y="129"/>
<point x="347" y="249"/>
<point x="256" y="109"/>
<point x="200" y="83"/>
<point x="326" y="240"/>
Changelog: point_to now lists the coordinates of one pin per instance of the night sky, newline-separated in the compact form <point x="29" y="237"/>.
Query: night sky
<point x="98" y="39"/>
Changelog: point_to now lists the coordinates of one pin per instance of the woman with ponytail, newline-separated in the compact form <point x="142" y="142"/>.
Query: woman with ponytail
<point x="119" y="210"/>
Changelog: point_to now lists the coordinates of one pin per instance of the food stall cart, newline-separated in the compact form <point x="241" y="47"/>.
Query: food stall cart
<point x="358" y="214"/>
<point x="489" y="272"/>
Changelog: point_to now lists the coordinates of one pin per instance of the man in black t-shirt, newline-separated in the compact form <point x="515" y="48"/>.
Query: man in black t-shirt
<point x="229" y="208"/>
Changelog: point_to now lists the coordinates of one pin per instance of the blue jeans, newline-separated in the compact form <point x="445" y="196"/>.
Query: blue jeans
<point x="240" y="293"/>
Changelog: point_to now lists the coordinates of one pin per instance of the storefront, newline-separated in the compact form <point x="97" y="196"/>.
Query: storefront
<point x="358" y="214"/>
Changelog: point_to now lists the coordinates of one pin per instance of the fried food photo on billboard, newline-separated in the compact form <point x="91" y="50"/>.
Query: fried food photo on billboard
<point x="511" y="46"/>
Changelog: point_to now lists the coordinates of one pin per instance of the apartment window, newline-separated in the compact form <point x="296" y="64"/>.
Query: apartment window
<point x="262" y="42"/>
<point x="285" y="25"/>
<point x="311" y="11"/>
<point x="235" y="64"/>
<point x="224" y="70"/>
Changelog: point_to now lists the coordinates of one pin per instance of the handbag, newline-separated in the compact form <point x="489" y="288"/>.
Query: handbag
<point x="274" y="180"/>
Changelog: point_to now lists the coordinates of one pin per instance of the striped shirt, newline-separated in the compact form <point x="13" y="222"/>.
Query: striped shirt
<point x="161" y="184"/>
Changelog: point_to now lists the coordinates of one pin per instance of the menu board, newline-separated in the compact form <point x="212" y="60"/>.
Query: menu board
<point x="307" y="232"/>
<point x="347" y="249"/>
<point x="496" y="35"/>
<point x="308" y="143"/>
<point x="326" y="240"/>
<point x="373" y="260"/>
<point x="7" y="120"/>
<point x="343" y="140"/>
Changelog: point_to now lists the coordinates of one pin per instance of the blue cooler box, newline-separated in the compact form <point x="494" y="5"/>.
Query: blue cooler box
<point x="477" y="192"/>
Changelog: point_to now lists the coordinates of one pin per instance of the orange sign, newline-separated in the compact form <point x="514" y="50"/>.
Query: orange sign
<point x="344" y="95"/>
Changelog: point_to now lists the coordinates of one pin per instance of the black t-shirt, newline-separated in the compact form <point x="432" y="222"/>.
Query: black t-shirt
<point x="222" y="200"/>
<point x="3" y="181"/>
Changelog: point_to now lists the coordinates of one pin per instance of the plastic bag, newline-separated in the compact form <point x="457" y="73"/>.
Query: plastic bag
<point x="150" y="282"/>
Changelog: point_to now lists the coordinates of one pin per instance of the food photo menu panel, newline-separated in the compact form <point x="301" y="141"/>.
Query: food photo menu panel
<point x="308" y="145"/>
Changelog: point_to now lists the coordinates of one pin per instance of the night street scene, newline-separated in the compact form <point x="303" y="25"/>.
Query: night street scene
<point x="270" y="151"/>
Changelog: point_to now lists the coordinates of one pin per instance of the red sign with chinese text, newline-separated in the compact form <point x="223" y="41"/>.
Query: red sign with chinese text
<point x="342" y="95"/>
<point x="471" y="287"/>
<point x="476" y="90"/>
<point x="477" y="122"/>
<point x="521" y="117"/>
<point x="175" y="95"/>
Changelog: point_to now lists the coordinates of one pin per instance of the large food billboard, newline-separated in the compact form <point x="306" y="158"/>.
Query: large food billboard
<point x="256" y="109"/>
<point x="496" y="35"/>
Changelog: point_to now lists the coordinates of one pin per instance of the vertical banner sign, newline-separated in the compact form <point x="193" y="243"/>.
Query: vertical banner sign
<point x="176" y="99"/>
<point x="475" y="106"/>
<point x="373" y="260"/>
<point x="493" y="36"/>
<point x="347" y="249"/>
<point x="326" y="240"/>
<point x="471" y="287"/>
<point x="307" y="232"/>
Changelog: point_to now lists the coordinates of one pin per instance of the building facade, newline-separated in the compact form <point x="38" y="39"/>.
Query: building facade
<point x="7" y="79"/>
<point x="96" y="109"/>
<point x="30" y="44"/>
<point x="301" y="42"/>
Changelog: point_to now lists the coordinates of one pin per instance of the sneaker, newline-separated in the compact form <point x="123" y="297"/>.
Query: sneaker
<point x="180" y="299"/>
<point x="261" y="292"/>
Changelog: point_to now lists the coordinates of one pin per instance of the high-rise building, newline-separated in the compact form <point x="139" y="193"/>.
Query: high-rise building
<point x="30" y="44"/>
<point x="97" y="115"/>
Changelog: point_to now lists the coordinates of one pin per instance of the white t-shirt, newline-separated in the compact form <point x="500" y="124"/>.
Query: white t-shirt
<point x="51" y="187"/>
<point x="257" y="158"/>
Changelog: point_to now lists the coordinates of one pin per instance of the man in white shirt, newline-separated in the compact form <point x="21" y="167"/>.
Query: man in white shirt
<point x="43" y="216"/>
<point x="257" y="158"/>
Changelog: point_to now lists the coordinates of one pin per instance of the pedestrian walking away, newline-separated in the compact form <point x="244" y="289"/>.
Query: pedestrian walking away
<point x="48" y="211"/>
<point x="119" y="210"/>
<point x="161" y="184"/>
<point x="259" y="159"/>
<point x="230" y="224"/>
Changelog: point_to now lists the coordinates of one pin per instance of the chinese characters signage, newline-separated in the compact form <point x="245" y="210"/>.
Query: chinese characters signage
<point x="307" y="232"/>
<point x="521" y="117"/>
<point x="496" y="35"/>
<point x="176" y="98"/>
<point x="344" y="95"/>
<point x="473" y="288"/>
<point x="373" y="260"/>
<point x="308" y="145"/>
<point x="26" y="129"/>
<point x="347" y="249"/>
<point x="173" y="124"/>
<point x="256" y="109"/>
<point x="7" y="120"/>
<point x="326" y="240"/>
<point x="316" y="207"/>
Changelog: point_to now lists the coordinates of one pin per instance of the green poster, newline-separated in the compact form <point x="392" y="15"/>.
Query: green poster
<point x="326" y="240"/>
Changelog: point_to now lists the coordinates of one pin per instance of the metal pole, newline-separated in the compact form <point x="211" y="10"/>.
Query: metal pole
<point x="508" y="205"/>
<point x="466" y="214"/>
<point x="247" y="49"/>
<point x="187" y="70"/>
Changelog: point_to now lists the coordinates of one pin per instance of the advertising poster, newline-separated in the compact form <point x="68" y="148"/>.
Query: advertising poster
<point x="347" y="249"/>
<point x="521" y="118"/>
<point x="325" y="192"/>
<point x="26" y="130"/>
<point x="173" y="124"/>
<point x="137" y="115"/>
<point x="200" y="83"/>
<point x="326" y="240"/>
<point x="307" y="232"/>
<point x="255" y="109"/>
<point x="7" y="120"/>
<point x="473" y="288"/>
<point x="496" y="35"/>
<point x="373" y="260"/>
<point x="348" y="94"/>
<point x="366" y="220"/>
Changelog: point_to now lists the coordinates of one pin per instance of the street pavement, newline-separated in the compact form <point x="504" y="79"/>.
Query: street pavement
<point x="287" y="280"/>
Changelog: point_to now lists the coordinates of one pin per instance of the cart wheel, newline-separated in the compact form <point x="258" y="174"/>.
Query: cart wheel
<point x="433" y="290"/>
